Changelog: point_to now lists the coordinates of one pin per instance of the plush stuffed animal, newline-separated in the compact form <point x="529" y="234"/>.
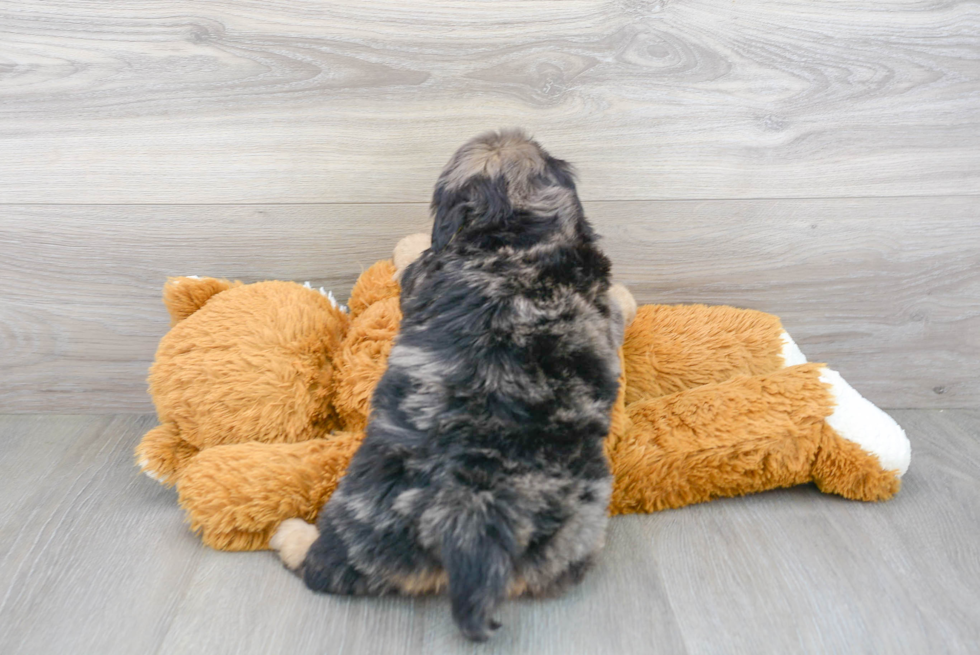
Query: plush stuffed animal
<point x="263" y="394"/>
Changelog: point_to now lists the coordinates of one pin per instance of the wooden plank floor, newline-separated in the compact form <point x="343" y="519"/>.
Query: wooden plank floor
<point x="94" y="558"/>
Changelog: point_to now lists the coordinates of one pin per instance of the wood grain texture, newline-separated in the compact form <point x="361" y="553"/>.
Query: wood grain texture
<point x="231" y="101"/>
<point x="885" y="290"/>
<point x="795" y="571"/>
<point x="83" y="567"/>
<point x="95" y="559"/>
<point x="270" y="608"/>
<point x="81" y="314"/>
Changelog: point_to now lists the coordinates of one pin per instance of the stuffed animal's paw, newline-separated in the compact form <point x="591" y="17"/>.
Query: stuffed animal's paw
<point x="292" y="540"/>
<point x="162" y="454"/>
<point x="408" y="250"/>
<point x="856" y="419"/>
<point x="627" y="303"/>
<point x="790" y="352"/>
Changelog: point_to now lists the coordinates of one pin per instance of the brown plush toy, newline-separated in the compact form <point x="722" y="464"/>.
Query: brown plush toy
<point x="263" y="394"/>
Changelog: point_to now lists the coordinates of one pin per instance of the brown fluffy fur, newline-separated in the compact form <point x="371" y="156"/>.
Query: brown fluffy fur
<point x="361" y="360"/>
<point x="288" y="480"/>
<point x="254" y="363"/>
<point x="706" y="409"/>
<point x="730" y="438"/>
<point x="693" y="345"/>
<point x="183" y="296"/>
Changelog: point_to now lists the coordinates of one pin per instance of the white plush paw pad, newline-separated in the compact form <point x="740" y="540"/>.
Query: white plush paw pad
<point x="144" y="465"/>
<point x="858" y="420"/>
<point x="792" y="355"/>
<point x="625" y="300"/>
<point x="293" y="538"/>
<point x="408" y="250"/>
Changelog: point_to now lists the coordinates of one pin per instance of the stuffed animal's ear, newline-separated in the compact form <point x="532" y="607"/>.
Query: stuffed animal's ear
<point x="627" y="303"/>
<point x="408" y="250"/>
<point x="183" y="296"/>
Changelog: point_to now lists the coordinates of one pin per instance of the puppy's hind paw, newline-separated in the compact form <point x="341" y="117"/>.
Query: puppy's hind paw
<point x="292" y="540"/>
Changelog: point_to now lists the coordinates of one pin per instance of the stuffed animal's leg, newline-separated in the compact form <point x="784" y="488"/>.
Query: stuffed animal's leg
<point x="237" y="495"/>
<point x="753" y="433"/>
<point x="671" y="348"/>
<point x="855" y="428"/>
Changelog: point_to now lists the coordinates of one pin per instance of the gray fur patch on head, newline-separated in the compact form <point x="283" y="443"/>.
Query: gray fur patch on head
<point x="553" y="200"/>
<point x="407" y="501"/>
<point x="510" y="153"/>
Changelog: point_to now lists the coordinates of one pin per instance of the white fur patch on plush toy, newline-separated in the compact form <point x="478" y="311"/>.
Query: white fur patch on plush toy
<point x="791" y="353"/>
<point x="329" y="296"/>
<point x="144" y="465"/>
<point x="858" y="420"/>
<point x="292" y="540"/>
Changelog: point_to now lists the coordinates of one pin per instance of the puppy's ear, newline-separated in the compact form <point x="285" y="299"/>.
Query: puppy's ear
<point x="480" y="203"/>
<point x="562" y="172"/>
<point x="450" y="213"/>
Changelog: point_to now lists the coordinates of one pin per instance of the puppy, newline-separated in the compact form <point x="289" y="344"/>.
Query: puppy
<point x="483" y="467"/>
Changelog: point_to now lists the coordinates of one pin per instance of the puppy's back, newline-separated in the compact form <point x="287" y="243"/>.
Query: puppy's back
<point x="505" y="371"/>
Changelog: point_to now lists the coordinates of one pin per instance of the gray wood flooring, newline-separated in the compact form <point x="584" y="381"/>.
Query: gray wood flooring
<point x="95" y="558"/>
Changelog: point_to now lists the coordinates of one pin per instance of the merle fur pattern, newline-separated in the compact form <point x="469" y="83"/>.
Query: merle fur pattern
<point x="483" y="466"/>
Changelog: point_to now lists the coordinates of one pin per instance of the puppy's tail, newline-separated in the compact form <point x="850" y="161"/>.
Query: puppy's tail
<point x="477" y="553"/>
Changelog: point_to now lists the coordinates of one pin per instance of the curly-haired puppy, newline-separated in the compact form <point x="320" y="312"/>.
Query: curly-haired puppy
<point x="483" y="465"/>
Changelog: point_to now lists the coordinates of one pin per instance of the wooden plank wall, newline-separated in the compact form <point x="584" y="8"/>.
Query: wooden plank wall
<point x="818" y="160"/>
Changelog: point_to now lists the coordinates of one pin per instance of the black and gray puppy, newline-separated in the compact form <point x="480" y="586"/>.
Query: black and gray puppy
<point x="483" y="465"/>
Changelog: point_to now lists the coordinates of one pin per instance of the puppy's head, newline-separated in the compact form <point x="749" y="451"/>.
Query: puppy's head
<point x="505" y="180"/>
